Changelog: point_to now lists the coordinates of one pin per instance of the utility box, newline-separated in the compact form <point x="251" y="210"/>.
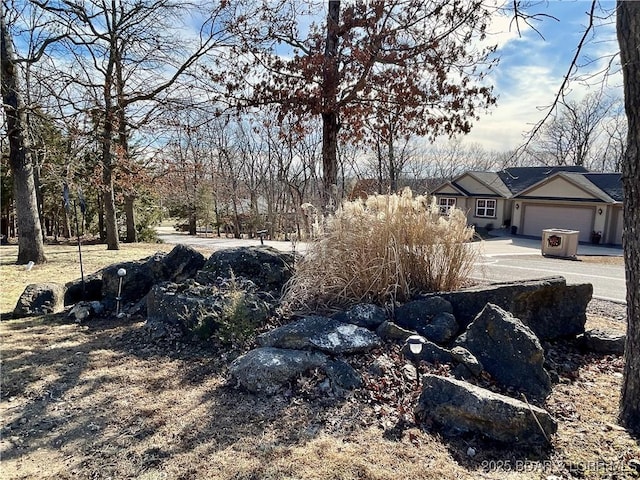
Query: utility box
<point x="558" y="242"/>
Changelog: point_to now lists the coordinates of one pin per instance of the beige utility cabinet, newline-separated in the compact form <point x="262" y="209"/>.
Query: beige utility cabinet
<point x="558" y="242"/>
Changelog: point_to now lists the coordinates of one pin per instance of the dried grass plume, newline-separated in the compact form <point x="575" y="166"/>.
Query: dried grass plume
<point x="384" y="249"/>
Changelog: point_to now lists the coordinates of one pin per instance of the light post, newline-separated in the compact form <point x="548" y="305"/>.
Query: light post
<point x="415" y="343"/>
<point x="121" y="273"/>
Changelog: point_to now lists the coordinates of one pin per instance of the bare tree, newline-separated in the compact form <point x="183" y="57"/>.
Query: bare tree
<point x="30" y="241"/>
<point x="120" y="46"/>
<point x="421" y="51"/>
<point x="573" y="135"/>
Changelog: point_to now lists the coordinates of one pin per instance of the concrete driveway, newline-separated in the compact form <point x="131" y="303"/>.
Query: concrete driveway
<point x="506" y="258"/>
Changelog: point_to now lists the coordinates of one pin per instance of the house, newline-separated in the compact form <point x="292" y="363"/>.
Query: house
<point x="531" y="199"/>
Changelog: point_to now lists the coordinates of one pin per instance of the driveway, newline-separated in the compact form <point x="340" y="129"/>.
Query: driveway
<point x="501" y="259"/>
<point x="504" y="259"/>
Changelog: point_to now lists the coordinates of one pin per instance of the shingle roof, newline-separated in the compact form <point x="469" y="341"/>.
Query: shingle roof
<point x="512" y="181"/>
<point x="518" y="179"/>
<point x="610" y="183"/>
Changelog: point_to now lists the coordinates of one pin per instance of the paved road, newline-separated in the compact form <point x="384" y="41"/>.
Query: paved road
<point x="501" y="260"/>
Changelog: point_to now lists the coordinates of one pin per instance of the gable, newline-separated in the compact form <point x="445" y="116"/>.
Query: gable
<point x="447" y="189"/>
<point x="559" y="187"/>
<point x="475" y="187"/>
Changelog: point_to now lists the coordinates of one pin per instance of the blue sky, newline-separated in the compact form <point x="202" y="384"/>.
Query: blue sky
<point x="531" y="68"/>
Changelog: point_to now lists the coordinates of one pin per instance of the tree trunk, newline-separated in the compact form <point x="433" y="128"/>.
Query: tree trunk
<point x="130" y="216"/>
<point x="30" y="244"/>
<point x="628" y="26"/>
<point x="101" y="229"/>
<point x="108" y="196"/>
<point x="330" y="122"/>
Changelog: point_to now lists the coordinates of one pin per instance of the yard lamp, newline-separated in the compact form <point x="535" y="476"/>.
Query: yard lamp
<point x="121" y="273"/>
<point x="415" y="343"/>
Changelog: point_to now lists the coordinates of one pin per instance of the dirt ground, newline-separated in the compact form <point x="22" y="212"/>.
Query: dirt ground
<point x="103" y="401"/>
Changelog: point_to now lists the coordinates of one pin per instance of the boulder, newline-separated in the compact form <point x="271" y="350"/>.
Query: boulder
<point x="267" y="267"/>
<point x="548" y="306"/>
<point x="467" y="360"/>
<point x="140" y="276"/>
<point x="40" y="299"/>
<point x="321" y="333"/>
<point x="601" y="341"/>
<point x="83" y="311"/>
<point x="181" y="263"/>
<point x="90" y="291"/>
<point x="508" y="350"/>
<point x="431" y="317"/>
<point x="430" y="353"/>
<point x="229" y="310"/>
<point x="442" y="328"/>
<point x="267" y="370"/>
<point x="458" y="406"/>
<point x="365" y="315"/>
<point x="391" y="332"/>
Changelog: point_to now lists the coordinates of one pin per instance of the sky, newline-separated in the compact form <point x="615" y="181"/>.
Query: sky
<point x="532" y="68"/>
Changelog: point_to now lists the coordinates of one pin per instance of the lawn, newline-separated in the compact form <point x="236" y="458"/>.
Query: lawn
<point x="101" y="400"/>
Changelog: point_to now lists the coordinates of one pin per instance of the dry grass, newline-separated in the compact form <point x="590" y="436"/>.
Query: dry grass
<point x="383" y="249"/>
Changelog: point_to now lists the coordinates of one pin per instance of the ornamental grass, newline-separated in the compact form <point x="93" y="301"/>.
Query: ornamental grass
<point x="382" y="250"/>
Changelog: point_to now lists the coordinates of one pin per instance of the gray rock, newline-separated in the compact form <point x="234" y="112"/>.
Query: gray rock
<point x="40" y="299"/>
<point x="267" y="267"/>
<point x="508" y="350"/>
<point x="227" y="310"/>
<point x="442" y="328"/>
<point x="141" y="276"/>
<point x="266" y="370"/>
<point x="458" y="406"/>
<point x="465" y="358"/>
<point x="391" y="332"/>
<point x="601" y="341"/>
<point x="431" y="317"/>
<point x="181" y="263"/>
<point x="83" y="311"/>
<point x="323" y="334"/>
<point x="550" y="307"/>
<point x="365" y="315"/>
<point x="90" y="291"/>
<point x="430" y="353"/>
<point x="342" y="375"/>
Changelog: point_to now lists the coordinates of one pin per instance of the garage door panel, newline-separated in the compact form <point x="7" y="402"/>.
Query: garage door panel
<point x="541" y="217"/>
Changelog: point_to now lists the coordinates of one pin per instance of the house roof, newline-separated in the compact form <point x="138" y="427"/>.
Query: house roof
<point x="518" y="179"/>
<point x="511" y="182"/>
<point x="610" y="183"/>
<point x="493" y="181"/>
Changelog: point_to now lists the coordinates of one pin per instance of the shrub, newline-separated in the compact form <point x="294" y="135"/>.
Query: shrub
<point x="386" y="248"/>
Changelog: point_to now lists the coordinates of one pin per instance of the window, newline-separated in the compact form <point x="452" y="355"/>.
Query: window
<point x="446" y="204"/>
<point x="485" y="208"/>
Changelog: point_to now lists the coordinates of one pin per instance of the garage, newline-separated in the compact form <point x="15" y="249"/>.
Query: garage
<point x="540" y="217"/>
<point x="619" y="225"/>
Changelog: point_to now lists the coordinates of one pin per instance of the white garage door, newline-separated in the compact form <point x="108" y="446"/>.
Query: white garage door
<point x="541" y="217"/>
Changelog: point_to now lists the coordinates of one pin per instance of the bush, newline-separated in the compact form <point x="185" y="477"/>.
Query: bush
<point x="386" y="248"/>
